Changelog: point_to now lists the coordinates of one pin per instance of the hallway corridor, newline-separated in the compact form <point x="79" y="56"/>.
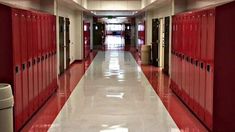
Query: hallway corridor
<point x="114" y="96"/>
<point x="114" y="42"/>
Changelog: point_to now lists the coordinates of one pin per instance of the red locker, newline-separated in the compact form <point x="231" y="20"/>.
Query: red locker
<point x="55" y="55"/>
<point x="213" y="87"/>
<point x="210" y="68"/>
<point x="21" y="51"/>
<point x="43" y="40"/>
<point x="191" y="83"/>
<point x="16" y="68"/>
<point x="24" y="56"/>
<point x="180" y="74"/>
<point x="39" y="60"/>
<point x="203" y="35"/>
<point x="196" y="86"/>
<point x="46" y="56"/>
<point x="183" y="67"/>
<point x="29" y="25"/>
<point x="34" y="62"/>
<point x="202" y="90"/>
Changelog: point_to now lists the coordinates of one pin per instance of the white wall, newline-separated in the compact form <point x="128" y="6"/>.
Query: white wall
<point x="179" y="6"/>
<point x="48" y="6"/>
<point x="145" y="3"/>
<point x="160" y="12"/>
<point x="113" y="5"/>
<point x="75" y="18"/>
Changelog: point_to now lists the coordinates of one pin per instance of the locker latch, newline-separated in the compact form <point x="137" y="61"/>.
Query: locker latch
<point x="208" y="68"/>
<point x="16" y="69"/>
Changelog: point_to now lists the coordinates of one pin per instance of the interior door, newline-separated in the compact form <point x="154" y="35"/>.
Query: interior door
<point x="86" y="39"/>
<point x="61" y="43"/>
<point x="166" y="45"/>
<point x="155" y="42"/>
<point x="127" y="36"/>
<point x="67" y="38"/>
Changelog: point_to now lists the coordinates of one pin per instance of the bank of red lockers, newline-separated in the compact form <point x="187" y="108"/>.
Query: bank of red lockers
<point x="203" y="64"/>
<point x="28" y="59"/>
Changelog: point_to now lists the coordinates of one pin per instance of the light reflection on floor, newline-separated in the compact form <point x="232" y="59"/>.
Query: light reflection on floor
<point x="114" y="42"/>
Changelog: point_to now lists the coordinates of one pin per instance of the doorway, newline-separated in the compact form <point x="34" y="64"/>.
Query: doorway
<point x="64" y="44"/>
<point x="61" y="45"/>
<point x="67" y="37"/>
<point x="155" y="42"/>
<point x="127" y="36"/>
<point x="86" y="39"/>
<point x="162" y="43"/>
<point x="166" y="45"/>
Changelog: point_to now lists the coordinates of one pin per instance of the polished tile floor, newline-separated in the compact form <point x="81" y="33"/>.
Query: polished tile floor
<point x="114" y="96"/>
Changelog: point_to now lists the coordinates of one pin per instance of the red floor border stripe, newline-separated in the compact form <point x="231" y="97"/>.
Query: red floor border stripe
<point x="43" y="119"/>
<point x="184" y="119"/>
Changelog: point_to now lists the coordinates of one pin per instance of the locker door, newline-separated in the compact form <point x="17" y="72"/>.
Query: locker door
<point x="34" y="62"/>
<point x="47" y="56"/>
<point x="184" y="42"/>
<point x="210" y="36"/>
<point x="39" y="60"/>
<point x="24" y="55"/>
<point x="194" y="41"/>
<point x="183" y="77"/>
<point x="202" y="90"/>
<point x="29" y="25"/>
<point x="210" y="69"/>
<point x="187" y="77"/>
<point x="196" y="87"/>
<point x="43" y="37"/>
<point x="17" y="70"/>
<point x="49" y="53"/>
<point x="198" y="37"/>
<point x="55" y="55"/>
<point x="191" y="83"/>
<point x="204" y="26"/>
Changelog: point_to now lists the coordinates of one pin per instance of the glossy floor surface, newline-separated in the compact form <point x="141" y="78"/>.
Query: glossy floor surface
<point x="114" y="96"/>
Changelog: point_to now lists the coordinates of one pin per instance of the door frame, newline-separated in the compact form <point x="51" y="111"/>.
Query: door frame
<point x="67" y="42"/>
<point x="61" y="45"/>
<point x="167" y="45"/>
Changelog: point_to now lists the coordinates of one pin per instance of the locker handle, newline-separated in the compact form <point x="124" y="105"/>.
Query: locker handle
<point x="202" y="65"/>
<point x="46" y="57"/>
<point x="17" y="69"/>
<point x="29" y="64"/>
<point x="196" y="63"/>
<point x="208" y="68"/>
<point x="23" y="67"/>
<point x="34" y="61"/>
<point x="39" y="60"/>
<point x="42" y="58"/>
<point x="192" y="60"/>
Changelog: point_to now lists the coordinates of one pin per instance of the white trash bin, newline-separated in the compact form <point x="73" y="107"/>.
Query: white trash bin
<point x="6" y="108"/>
<point x="145" y="54"/>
